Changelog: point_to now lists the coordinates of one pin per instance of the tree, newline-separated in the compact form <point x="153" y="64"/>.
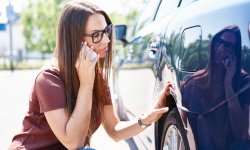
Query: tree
<point x="40" y="20"/>
<point x="128" y="17"/>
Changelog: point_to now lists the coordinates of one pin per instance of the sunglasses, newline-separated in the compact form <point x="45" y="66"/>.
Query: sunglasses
<point x="97" y="36"/>
<point x="226" y="44"/>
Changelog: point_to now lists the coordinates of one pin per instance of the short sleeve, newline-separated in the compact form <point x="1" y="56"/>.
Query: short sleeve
<point x="50" y="91"/>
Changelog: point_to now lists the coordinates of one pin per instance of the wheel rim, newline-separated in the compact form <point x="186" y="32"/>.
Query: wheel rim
<point x="173" y="139"/>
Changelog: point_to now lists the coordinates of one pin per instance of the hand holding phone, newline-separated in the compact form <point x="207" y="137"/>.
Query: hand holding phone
<point x="85" y="66"/>
<point x="93" y="54"/>
<point x="227" y="61"/>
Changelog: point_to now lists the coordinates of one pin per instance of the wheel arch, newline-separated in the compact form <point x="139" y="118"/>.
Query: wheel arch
<point x="160" y="123"/>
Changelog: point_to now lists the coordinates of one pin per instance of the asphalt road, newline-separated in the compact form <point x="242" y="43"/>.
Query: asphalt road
<point x="14" y="92"/>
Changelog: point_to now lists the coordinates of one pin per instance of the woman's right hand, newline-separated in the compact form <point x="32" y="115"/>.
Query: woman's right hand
<point x="230" y="67"/>
<point x="160" y="105"/>
<point x="85" y="67"/>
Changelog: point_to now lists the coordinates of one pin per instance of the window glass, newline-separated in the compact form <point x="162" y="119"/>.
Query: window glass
<point x="186" y="2"/>
<point x="166" y="7"/>
<point x="191" y="43"/>
<point x="147" y="15"/>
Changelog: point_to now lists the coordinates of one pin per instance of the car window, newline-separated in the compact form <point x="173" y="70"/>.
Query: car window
<point x="186" y="2"/>
<point x="246" y="54"/>
<point x="191" y="43"/>
<point x="147" y="15"/>
<point x="166" y="7"/>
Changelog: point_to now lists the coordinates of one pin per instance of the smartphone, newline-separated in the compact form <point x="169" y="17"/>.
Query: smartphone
<point x="93" y="54"/>
<point x="227" y="61"/>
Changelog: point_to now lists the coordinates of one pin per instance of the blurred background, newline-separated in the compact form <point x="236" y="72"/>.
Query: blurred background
<point x="28" y="28"/>
<point x="27" y="41"/>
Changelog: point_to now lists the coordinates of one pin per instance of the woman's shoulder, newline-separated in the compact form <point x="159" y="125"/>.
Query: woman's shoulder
<point x="49" y="89"/>
<point x="50" y="67"/>
<point x="49" y="72"/>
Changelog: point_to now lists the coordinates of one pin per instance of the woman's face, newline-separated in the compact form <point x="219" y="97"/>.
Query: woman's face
<point x="97" y="34"/>
<point x="224" y="47"/>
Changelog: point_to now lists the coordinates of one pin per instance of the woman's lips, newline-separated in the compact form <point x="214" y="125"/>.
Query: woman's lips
<point x="105" y="49"/>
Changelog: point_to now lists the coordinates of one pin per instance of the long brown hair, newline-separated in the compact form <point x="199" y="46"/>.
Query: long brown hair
<point x="71" y="26"/>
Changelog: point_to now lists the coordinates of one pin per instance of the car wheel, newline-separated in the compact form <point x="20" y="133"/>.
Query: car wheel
<point x="174" y="136"/>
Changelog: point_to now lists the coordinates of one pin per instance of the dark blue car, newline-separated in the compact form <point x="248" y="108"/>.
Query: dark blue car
<point x="203" y="48"/>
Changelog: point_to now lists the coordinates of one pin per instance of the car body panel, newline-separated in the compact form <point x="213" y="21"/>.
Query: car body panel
<point x="190" y="24"/>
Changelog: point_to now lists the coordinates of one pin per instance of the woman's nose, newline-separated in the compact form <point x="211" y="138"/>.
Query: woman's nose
<point x="223" y="48"/>
<point x="105" y="39"/>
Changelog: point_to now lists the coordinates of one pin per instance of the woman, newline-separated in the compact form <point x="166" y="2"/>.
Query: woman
<point x="220" y="96"/>
<point x="71" y="98"/>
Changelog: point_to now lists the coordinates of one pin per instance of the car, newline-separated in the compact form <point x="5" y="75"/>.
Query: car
<point x="172" y="41"/>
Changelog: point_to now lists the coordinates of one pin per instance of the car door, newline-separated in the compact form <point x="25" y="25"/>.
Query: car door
<point x="137" y="97"/>
<point x="149" y="43"/>
<point x="188" y="38"/>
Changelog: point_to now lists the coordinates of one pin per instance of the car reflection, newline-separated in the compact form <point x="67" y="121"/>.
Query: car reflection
<point x="217" y="97"/>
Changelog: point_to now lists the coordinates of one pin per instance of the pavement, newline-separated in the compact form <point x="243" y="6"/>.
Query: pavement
<point x="14" y="92"/>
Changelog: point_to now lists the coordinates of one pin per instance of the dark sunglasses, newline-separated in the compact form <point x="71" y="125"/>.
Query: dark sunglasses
<point x="97" y="36"/>
<point x="226" y="44"/>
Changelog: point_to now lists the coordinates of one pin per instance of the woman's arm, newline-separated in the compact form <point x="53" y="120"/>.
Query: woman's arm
<point x="116" y="129"/>
<point x="238" y="117"/>
<point x="72" y="130"/>
<point x="119" y="130"/>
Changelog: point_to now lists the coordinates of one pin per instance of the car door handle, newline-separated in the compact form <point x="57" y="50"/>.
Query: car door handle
<point x="153" y="49"/>
<point x="155" y="46"/>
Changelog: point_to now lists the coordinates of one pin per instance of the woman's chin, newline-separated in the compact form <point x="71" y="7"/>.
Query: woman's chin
<point x="102" y="55"/>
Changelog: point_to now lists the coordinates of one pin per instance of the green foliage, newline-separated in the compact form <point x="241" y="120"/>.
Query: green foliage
<point x="129" y="19"/>
<point x="40" y="20"/>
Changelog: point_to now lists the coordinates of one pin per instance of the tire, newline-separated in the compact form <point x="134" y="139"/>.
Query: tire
<point x="174" y="135"/>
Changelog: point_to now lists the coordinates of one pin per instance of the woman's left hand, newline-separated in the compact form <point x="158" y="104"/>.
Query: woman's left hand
<point x="159" y="107"/>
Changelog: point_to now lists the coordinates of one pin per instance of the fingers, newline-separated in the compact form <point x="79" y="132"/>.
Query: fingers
<point x="88" y="53"/>
<point x="78" y="61"/>
<point x="155" y="114"/>
<point x="167" y="90"/>
<point x="162" y="110"/>
<point x="83" y="49"/>
<point x="168" y="85"/>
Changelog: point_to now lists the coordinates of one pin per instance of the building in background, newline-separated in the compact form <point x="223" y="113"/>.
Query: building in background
<point x="13" y="48"/>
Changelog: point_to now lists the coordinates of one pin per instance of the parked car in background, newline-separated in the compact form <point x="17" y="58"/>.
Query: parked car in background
<point x="203" y="48"/>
